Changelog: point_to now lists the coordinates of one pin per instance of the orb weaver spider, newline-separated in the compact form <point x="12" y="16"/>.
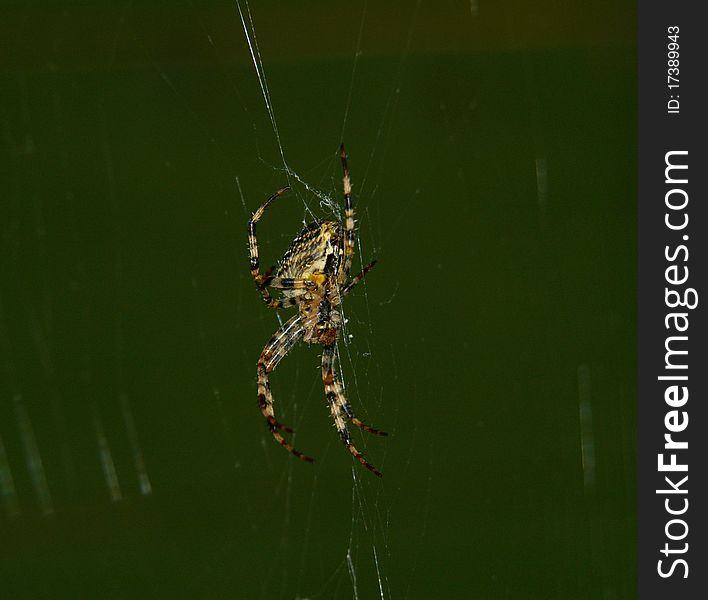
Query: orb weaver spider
<point x="314" y="275"/>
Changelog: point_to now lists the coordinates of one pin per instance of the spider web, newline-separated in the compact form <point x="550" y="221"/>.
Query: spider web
<point x="368" y="530"/>
<point x="138" y="137"/>
<point x="118" y="433"/>
<point x="366" y="549"/>
<point x="366" y="546"/>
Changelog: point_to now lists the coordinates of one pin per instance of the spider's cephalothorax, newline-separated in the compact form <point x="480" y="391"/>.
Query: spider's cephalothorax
<point x="314" y="274"/>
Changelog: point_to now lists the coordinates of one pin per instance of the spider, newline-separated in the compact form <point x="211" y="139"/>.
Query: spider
<point x="314" y="275"/>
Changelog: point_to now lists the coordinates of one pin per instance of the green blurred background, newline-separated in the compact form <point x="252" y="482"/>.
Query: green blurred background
<point x="492" y="151"/>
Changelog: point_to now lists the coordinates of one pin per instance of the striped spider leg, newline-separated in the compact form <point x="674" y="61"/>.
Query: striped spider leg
<point x="340" y="409"/>
<point x="265" y="281"/>
<point x="278" y="346"/>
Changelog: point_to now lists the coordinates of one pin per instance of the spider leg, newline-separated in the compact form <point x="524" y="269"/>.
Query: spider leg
<point x="329" y="378"/>
<point x="348" y="215"/>
<point x="263" y="281"/>
<point x="253" y="251"/>
<point x="340" y="409"/>
<point x="357" y="278"/>
<point x="285" y="283"/>
<point x="275" y="350"/>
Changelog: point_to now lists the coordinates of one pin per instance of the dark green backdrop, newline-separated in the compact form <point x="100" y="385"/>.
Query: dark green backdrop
<point x="492" y="152"/>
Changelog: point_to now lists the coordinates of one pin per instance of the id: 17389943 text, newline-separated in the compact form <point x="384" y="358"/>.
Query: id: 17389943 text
<point x="672" y="69"/>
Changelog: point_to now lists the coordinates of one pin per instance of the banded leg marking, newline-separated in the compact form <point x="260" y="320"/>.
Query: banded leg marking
<point x="340" y="409"/>
<point x="357" y="278"/>
<point x="254" y="259"/>
<point x="278" y="346"/>
<point x="348" y="215"/>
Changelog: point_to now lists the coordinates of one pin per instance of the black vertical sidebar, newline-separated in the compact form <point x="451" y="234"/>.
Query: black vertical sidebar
<point x="673" y="340"/>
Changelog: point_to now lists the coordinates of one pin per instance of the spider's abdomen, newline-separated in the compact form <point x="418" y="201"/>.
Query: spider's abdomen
<point x="318" y="249"/>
